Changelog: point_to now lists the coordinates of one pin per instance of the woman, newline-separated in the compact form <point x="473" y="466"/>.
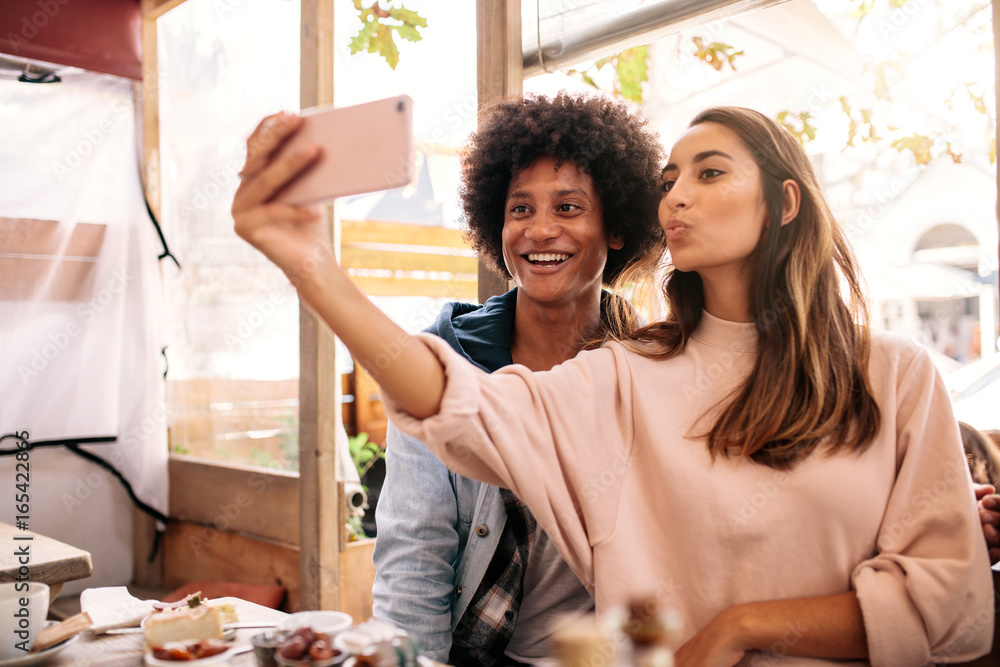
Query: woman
<point x="791" y="483"/>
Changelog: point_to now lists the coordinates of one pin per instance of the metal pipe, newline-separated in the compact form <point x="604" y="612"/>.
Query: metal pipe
<point x="596" y="38"/>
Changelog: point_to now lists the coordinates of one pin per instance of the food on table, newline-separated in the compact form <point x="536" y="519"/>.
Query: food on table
<point x="204" y="648"/>
<point x="379" y="643"/>
<point x="184" y="623"/>
<point x="308" y="645"/>
<point x="226" y="609"/>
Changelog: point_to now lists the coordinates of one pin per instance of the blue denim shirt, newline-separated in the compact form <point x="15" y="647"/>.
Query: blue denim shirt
<point x="437" y="531"/>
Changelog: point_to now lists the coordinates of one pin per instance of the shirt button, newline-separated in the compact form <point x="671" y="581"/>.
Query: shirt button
<point x="482" y="530"/>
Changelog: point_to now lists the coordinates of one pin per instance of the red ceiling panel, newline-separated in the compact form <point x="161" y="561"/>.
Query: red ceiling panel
<point x="98" y="35"/>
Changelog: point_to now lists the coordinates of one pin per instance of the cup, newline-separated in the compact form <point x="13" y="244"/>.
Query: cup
<point x="266" y="643"/>
<point x="24" y="606"/>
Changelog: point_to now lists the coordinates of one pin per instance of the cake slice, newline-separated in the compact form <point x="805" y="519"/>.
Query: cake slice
<point x="203" y="622"/>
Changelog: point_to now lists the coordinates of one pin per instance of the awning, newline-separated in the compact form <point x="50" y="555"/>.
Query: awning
<point x="590" y="30"/>
<point x="96" y="35"/>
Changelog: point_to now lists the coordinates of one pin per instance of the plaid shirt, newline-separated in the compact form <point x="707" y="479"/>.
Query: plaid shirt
<point x="482" y="634"/>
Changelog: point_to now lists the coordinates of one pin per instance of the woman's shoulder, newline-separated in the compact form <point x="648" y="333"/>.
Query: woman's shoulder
<point x="891" y="349"/>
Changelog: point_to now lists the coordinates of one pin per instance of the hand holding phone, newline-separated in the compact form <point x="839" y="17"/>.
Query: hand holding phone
<point x="363" y="148"/>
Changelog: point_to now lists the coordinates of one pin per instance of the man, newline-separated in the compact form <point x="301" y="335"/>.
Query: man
<point x="559" y="195"/>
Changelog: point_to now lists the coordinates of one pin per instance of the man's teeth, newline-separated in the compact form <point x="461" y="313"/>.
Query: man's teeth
<point x="547" y="257"/>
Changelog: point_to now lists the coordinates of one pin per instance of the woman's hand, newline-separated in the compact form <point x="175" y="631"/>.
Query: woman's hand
<point x="716" y="645"/>
<point x="989" y="514"/>
<point x="295" y="238"/>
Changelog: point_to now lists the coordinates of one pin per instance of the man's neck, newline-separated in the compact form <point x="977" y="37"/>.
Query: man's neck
<point x="545" y="335"/>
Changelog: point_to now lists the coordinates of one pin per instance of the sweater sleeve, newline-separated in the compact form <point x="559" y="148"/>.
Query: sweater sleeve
<point x="927" y="594"/>
<point x="546" y="436"/>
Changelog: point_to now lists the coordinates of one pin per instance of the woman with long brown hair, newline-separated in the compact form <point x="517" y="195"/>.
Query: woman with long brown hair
<point x="792" y="483"/>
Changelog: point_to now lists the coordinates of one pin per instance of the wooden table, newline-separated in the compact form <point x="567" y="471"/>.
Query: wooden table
<point x="49" y="561"/>
<point x="125" y="650"/>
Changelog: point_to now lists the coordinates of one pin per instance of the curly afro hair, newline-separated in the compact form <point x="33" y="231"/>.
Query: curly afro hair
<point x="602" y="136"/>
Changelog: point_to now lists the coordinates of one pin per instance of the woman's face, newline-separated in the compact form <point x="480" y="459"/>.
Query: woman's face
<point x="713" y="211"/>
<point x="554" y="244"/>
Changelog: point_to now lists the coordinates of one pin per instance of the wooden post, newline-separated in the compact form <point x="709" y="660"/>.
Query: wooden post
<point x="996" y="132"/>
<point x="500" y="72"/>
<point x="321" y="508"/>
<point x="146" y="102"/>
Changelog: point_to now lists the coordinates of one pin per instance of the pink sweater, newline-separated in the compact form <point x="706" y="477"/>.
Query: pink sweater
<point x="603" y="449"/>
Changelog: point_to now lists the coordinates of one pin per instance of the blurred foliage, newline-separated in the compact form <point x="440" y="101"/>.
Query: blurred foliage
<point x="860" y="124"/>
<point x="631" y="68"/>
<point x="861" y="8"/>
<point x="355" y="529"/>
<point x="716" y="54"/>
<point x="288" y="441"/>
<point x="863" y="124"/>
<point x="364" y="452"/>
<point x="378" y="25"/>
<point x="799" y="123"/>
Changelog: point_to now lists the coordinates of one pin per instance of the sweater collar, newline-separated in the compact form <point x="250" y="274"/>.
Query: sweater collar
<point x="737" y="336"/>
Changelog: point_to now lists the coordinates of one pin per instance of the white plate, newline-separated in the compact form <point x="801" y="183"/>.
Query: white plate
<point x="330" y="622"/>
<point x="33" y="658"/>
<point x="221" y="657"/>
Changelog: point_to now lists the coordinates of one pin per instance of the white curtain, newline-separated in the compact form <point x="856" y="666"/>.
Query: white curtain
<point x="80" y="313"/>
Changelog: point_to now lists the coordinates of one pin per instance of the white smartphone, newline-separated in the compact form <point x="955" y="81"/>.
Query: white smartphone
<point x="363" y="148"/>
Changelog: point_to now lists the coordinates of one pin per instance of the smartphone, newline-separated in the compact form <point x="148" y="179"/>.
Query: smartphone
<point x="363" y="148"/>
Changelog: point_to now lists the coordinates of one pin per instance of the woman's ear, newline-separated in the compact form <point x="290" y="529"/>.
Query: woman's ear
<point x="791" y="196"/>
<point x="616" y="242"/>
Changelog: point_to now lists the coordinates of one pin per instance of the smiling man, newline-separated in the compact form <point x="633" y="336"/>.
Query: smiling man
<point x="560" y="195"/>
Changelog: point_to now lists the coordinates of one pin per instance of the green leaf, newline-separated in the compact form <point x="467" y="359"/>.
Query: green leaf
<point x="408" y="32"/>
<point x="715" y="54"/>
<point x="408" y="17"/>
<point x="363" y="38"/>
<point x="383" y="44"/>
<point x="633" y="70"/>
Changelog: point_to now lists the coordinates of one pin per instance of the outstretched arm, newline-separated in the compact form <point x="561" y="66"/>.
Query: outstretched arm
<point x="829" y="627"/>
<point x="297" y="240"/>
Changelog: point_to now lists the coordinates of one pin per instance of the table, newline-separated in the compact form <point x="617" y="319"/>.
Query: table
<point x="50" y="561"/>
<point x="125" y="650"/>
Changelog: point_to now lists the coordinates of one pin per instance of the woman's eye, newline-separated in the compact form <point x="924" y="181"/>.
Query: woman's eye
<point x="666" y="186"/>
<point x="710" y="173"/>
<point x="519" y="208"/>
<point x="566" y="208"/>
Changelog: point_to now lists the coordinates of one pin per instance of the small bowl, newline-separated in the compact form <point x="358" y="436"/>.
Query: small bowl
<point x="330" y="622"/>
<point x="265" y="644"/>
<point x="338" y="658"/>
